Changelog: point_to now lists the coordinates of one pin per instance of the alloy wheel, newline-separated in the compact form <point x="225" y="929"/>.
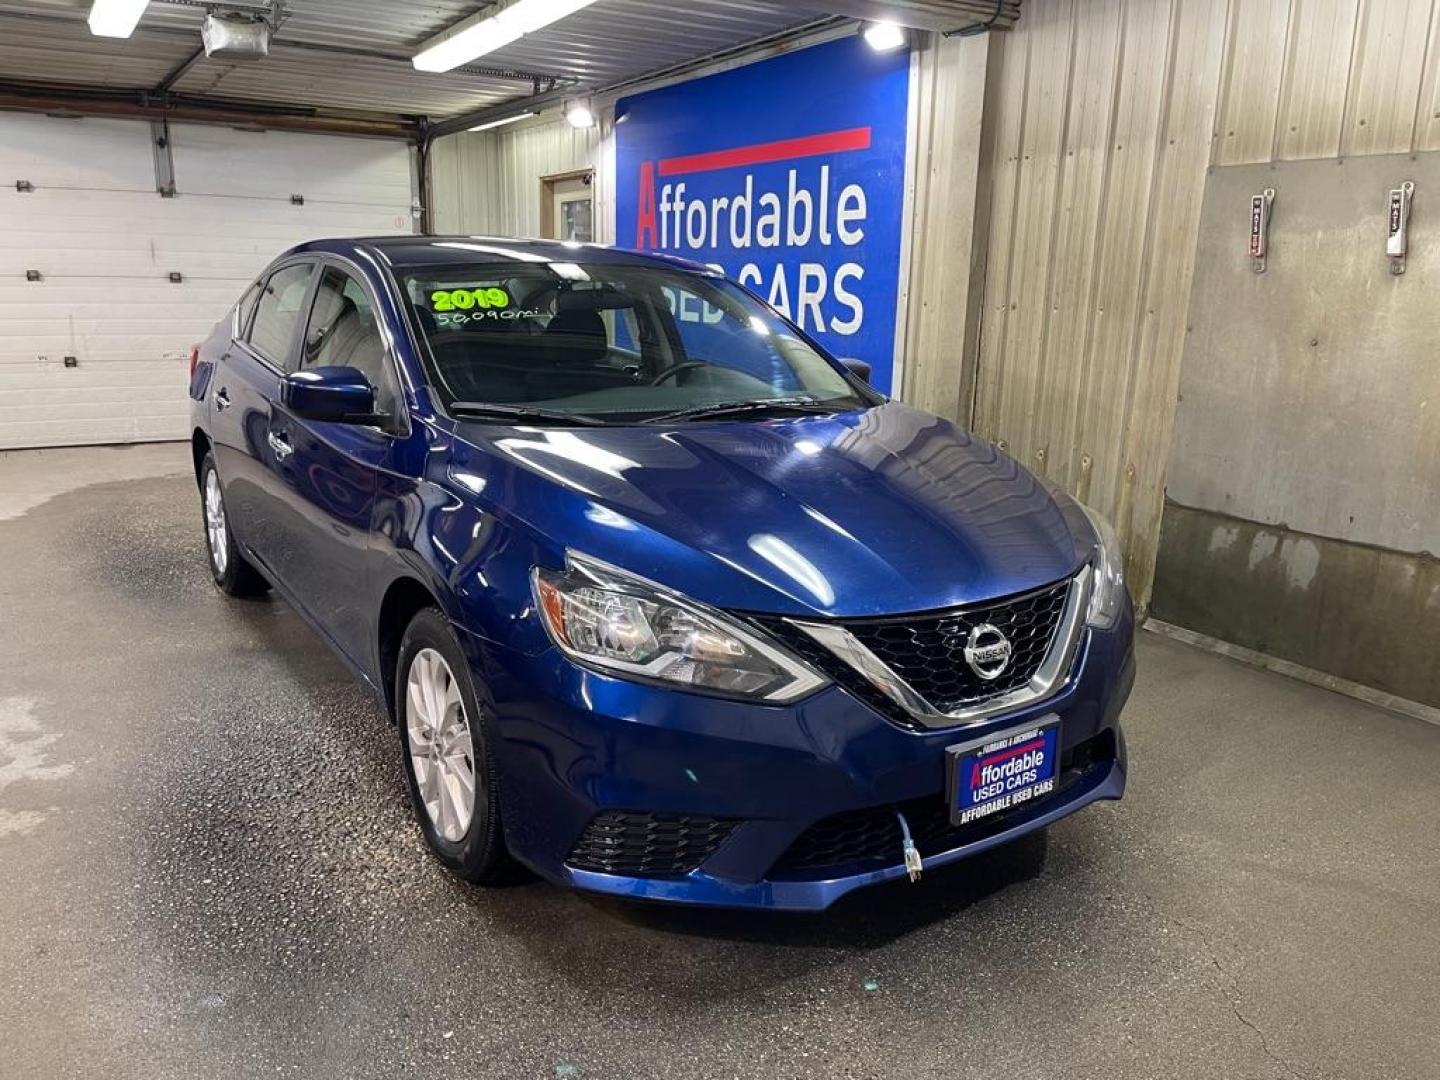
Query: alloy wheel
<point x="442" y="754"/>
<point x="215" y="522"/>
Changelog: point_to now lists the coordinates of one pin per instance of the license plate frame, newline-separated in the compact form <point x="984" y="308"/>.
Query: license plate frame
<point x="966" y="761"/>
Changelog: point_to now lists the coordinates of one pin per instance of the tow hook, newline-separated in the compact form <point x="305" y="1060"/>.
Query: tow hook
<point x="913" y="863"/>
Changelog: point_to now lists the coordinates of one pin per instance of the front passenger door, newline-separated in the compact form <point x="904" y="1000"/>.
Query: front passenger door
<point x="329" y="471"/>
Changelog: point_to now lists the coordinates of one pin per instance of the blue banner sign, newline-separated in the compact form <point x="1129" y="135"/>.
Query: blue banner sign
<point x="788" y="174"/>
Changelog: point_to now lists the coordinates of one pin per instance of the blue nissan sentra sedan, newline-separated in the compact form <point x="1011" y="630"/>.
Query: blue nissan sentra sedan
<point x="665" y="601"/>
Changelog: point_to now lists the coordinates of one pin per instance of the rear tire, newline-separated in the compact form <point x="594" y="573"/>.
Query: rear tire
<point x="233" y="574"/>
<point x="445" y="747"/>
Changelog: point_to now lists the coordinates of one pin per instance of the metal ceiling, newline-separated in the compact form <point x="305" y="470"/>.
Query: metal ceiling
<point x="352" y="57"/>
<point x="944" y="16"/>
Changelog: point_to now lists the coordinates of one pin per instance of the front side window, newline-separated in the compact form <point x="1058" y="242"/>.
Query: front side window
<point x="344" y="332"/>
<point x="278" y="313"/>
<point x="612" y="343"/>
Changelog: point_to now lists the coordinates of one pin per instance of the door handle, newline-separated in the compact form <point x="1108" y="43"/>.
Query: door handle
<point x="222" y="399"/>
<point x="280" y="444"/>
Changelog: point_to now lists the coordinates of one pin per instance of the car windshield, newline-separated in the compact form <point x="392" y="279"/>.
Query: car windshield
<point x="591" y="342"/>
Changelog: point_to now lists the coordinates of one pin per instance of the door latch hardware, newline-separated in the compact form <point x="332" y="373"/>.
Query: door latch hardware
<point x="1398" y="240"/>
<point x="32" y="275"/>
<point x="280" y="445"/>
<point x="1260" y="228"/>
<point x="24" y="186"/>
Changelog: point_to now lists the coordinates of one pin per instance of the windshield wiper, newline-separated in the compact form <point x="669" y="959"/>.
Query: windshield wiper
<point x="739" y="408"/>
<point x="483" y="410"/>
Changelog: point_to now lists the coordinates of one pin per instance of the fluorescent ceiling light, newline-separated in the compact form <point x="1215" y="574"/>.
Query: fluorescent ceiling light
<point x="498" y="123"/>
<point x="884" y="36"/>
<point x="478" y="35"/>
<point x="115" y="18"/>
<point x="579" y="114"/>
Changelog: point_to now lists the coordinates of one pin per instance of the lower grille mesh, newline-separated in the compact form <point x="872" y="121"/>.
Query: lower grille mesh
<point x="648" y="844"/>
<point x="872" y="836"/>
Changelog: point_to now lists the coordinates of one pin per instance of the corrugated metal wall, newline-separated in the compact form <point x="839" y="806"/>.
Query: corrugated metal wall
<point x="1105" y="115"/>
<point x="944" y="275"/>
<point x="488" y="182"/>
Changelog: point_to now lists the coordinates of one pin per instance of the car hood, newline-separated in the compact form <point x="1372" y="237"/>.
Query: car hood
<point x="881" y="511"/>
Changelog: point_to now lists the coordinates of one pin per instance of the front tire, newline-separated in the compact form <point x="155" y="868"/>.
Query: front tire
<point x="232" y="573"/>
<point x="443" y="742"/>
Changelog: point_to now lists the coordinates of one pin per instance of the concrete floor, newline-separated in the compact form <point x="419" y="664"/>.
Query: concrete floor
<point x="207" y="868"/>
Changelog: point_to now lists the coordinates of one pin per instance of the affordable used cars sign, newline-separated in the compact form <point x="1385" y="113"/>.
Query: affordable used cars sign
<point x="788" y="174"/>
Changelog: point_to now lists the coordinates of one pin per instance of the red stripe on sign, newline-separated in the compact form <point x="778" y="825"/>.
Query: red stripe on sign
<point x="831" y="142"/>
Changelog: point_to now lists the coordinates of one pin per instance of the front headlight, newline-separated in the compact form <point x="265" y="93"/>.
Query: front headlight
<point x="1108" y="594"/>
<point x="612" y="620"/>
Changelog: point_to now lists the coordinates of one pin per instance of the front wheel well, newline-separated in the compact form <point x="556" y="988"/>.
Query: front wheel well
<point x="404" y="599"/>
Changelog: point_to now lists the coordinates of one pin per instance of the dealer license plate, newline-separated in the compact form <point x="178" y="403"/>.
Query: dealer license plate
<point x="1004" y="770"/>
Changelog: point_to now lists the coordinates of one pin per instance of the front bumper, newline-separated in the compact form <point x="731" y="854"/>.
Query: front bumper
<point x="571" y="744"/>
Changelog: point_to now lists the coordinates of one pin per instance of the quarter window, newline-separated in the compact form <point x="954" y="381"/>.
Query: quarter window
<point x="245" y="308"/>
<point x="278" y="313"/>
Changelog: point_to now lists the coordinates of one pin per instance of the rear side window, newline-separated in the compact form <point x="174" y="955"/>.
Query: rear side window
<point x="343" y="332"/>
<point x="278" y="313"/>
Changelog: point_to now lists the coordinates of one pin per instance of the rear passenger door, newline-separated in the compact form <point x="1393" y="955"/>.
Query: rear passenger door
<point x="328" y="472"/>
<point x="246" y="383"/>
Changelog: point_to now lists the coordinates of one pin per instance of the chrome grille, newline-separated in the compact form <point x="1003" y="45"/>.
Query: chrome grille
<point x="929" y="652"/>
<point x="913" y="668"/>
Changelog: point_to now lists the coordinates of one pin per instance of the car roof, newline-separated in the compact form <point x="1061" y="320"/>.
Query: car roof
<point x="403" y="252"/>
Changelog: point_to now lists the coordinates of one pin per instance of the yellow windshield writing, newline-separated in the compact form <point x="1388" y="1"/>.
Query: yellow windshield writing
<point x="465" y="299"/>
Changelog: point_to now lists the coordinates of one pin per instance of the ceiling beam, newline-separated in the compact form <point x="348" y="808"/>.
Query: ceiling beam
<point x="178" y="72"/>
<point x="465" y="121"/>
<point x="143" y="105"/>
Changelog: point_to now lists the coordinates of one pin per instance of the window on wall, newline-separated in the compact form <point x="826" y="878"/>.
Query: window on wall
<point x="574" y="219"/>
<point x="567" y="207"/>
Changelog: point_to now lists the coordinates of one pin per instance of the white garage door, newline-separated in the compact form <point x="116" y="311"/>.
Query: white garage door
<point x="96" y="350"/>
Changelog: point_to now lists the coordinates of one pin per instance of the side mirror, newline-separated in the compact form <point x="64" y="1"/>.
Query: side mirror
<point x="339" y="394"/>
<point x="857" y="367"/>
